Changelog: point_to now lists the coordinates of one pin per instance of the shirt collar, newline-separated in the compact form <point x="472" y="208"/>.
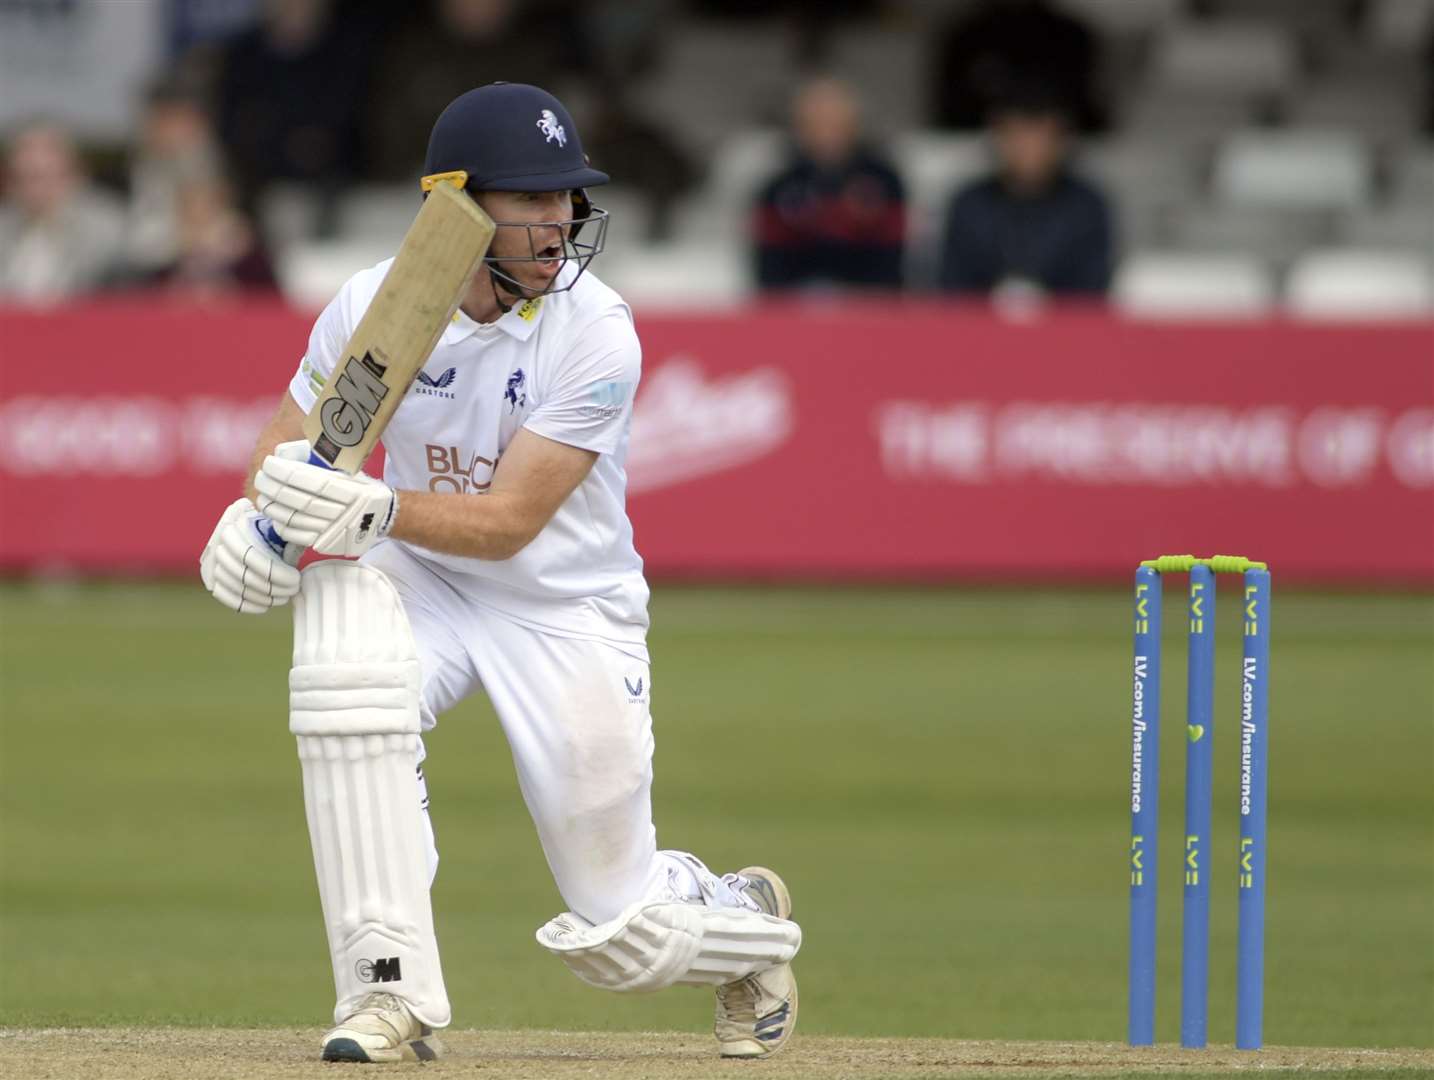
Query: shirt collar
<point x="519" y="322"/>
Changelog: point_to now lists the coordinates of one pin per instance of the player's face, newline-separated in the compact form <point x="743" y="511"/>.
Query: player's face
<point x="530" y="240"/>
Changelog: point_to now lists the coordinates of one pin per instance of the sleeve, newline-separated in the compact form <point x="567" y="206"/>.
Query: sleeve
<point x="327" y="339"/>
<point x="588" y="404"/>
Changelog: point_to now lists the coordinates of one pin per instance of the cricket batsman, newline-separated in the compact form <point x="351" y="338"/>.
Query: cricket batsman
<point x="496" y="553"/>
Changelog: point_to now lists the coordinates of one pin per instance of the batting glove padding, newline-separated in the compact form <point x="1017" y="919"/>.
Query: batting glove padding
<point x="240" y="566"/>
<point x="315" y="507"/>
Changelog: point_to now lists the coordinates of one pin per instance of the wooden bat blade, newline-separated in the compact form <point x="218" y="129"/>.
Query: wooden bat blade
<point x="428" y="279"/>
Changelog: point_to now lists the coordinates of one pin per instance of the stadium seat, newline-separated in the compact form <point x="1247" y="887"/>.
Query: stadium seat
<point x="1414" y="176"/>
<point x="1399" y="227"/>
<point x="1271" y="233"/>
<point x="744" y="161"/>
<point x="700" y="96"/>
<point x="311" y="273"/>
<point x="1145" y="180"/>
<point x="379" y="213"/>
<point x="1293" y="170"/>
<point x="1374" y="108"/>
<point x="933" y="165"/>
<point x="1226" y="58"/>
<point x="288" y="213"/>
<point x="629" y="215"/>
<point x="1181" y="116"/>
<point x="691" y="276"/>
<point x="1188" y="285"/>
<point x="1354" y="284"/>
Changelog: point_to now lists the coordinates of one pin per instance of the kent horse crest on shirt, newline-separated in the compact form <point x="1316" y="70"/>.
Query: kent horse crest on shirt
<point x="515" y="395"/>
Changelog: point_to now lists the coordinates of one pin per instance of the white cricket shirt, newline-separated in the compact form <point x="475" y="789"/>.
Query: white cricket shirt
<point x="565" y="366"/>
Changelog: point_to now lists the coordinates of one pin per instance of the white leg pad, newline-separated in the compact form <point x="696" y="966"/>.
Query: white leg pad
<point x="353" y="705"/>
<point x="653" y="944"/>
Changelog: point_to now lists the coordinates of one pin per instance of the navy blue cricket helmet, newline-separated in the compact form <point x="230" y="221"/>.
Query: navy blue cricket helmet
<point x="510" y="137"/>
<point x="515" y="137"/>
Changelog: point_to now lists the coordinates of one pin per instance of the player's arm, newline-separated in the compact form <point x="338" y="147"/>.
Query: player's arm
<point x="337" y="514"/>
<point x="286" y="425"/>
<point x="533" y="478"/>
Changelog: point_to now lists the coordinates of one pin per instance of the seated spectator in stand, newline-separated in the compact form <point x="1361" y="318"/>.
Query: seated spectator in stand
<point x="217" y="251"/>
<point x="836" y="215"/>
<point x="59" y="236"/>
<point x="1032" y="224"/>
<point x="176" y="147"/>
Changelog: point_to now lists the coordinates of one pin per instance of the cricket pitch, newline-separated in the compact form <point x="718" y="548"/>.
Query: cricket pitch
<point x="289" y="1054"/>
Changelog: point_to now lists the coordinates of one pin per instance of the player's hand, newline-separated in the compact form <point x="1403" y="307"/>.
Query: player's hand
<point x="315" y="507"/>
<point x="243" y="564"/>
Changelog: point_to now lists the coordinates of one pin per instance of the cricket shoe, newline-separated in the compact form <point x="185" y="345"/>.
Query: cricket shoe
<point x="382" y="1029"/>
<point x="757" y="1015"/>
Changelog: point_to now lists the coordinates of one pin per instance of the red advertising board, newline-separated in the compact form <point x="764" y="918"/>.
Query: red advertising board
<point x="871" y="441"/>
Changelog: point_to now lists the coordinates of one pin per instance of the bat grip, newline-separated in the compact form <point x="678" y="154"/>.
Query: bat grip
<point x="290" y="553"/>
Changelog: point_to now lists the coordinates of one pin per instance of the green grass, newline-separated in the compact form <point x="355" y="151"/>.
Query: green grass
<point x="940" y="774"/>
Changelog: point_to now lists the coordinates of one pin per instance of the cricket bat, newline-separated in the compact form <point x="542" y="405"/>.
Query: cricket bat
<point x="428" y="279"/>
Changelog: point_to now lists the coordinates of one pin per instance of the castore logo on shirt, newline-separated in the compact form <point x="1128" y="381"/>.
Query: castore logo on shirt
<point x="438" y="387"/>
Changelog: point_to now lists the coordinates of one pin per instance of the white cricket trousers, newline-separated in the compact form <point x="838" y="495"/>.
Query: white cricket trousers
<point x="575" y="713"/>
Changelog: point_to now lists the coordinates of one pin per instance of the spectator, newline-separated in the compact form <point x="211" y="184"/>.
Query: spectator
<point x="59" y="236"/>
<point x="984" y="56"/>
<point x="836" y="215"/>
<point x="447" y="48"/>
<point x="290" y="92"/>
<point x="176" y="146"/>
<point x="217" y="251"/>
<point x="1032" y="223"/>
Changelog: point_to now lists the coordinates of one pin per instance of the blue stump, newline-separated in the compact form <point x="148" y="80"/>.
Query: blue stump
<point x="1144" y="806"/>
<point x="1254" y="774"/>
<point x="1200" y="732"/>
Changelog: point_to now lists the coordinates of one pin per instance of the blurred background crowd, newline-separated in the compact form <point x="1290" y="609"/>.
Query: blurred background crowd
<point x="1226" y="157"/>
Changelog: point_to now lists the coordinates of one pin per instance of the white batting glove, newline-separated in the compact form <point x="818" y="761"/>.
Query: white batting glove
<point x="243" y="564"/>
<point x="316" y="507"/>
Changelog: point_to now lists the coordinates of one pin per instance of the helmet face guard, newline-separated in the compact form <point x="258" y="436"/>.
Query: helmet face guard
<point x="579" y="252"/>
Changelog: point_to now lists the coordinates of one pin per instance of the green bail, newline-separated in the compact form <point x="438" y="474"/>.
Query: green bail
<point x="1219" y="564"/>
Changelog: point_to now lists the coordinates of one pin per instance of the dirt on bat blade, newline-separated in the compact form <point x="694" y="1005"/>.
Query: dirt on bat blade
<point x="291" y="1053"/>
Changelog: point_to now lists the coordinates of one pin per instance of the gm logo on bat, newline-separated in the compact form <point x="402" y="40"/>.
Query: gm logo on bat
<point x="345" y="417"/>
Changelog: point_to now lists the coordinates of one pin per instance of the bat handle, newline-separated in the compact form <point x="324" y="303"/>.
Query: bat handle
<point x="290" y="553"/>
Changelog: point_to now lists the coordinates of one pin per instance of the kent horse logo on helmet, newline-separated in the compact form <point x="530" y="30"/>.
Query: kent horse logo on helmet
<point x="552" y="129"/>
